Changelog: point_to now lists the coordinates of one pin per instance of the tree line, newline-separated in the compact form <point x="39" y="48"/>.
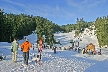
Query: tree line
<point x="20" y="25"/>
<point x="101" y="27"/>
<point x="12" y="25"/>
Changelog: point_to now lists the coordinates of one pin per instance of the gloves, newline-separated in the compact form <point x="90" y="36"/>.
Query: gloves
<point x="21" y="49"/>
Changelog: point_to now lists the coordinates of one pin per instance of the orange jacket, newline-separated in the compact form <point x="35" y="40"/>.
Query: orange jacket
<point x="94" y="51"/>
<point x="26" y="46"/>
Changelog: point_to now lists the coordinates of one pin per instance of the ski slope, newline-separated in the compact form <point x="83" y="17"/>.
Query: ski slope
<point x="62" y="61"/>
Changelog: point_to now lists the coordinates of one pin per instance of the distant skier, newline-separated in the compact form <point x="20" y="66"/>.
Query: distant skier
<point x="38" y="50"/>
<point x="33" y="46"/>
<point x="72" y="44"/>
<point x="78" y="50"/>
<point x="55" y="49"/>
<point x="94" y="52"/>
<point x="75" y="49"/>
<point x="99" y="53"/>
<point x="78" y="43"/>
<point x="44" y="46"/>
<point x="83" y="50"/>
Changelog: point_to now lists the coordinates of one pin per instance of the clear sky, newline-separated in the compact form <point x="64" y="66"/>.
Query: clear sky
<point x="61" y="12"/>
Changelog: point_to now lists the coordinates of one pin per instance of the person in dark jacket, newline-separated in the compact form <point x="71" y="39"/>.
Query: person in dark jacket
<point x="55" y="49"/>
<point x="2" y="57"/>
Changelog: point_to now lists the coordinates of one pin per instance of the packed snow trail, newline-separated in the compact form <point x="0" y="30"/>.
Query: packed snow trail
<point x="51" y="64"/>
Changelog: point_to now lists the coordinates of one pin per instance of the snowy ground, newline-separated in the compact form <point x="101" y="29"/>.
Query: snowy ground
<point x="62" y="61"/>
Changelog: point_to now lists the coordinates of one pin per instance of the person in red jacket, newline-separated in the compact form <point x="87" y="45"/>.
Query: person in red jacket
<point x="55" y="49"/>
<point x="25" y="47"/>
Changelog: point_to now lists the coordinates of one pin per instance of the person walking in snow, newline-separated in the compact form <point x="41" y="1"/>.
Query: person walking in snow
<point x="14" y="47"/>
<point x="94" y="51"/>
<point x="33" y="46"/>
<point x="55" y="49"/>
<point x="25" y="46"/>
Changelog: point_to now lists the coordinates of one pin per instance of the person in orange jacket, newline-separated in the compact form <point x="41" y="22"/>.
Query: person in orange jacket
<point x="94" y="52"/>
<point x="25" y="47"/>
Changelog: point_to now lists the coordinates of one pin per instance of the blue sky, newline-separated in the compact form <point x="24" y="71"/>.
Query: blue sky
<point x="61" y="12"/>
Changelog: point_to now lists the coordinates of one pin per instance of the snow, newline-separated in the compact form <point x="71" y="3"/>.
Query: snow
<point x="62" y="61"/>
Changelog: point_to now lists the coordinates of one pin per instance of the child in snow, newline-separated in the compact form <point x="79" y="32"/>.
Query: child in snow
<point x="2" y="57"/>
<point x="37" y="59"/>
